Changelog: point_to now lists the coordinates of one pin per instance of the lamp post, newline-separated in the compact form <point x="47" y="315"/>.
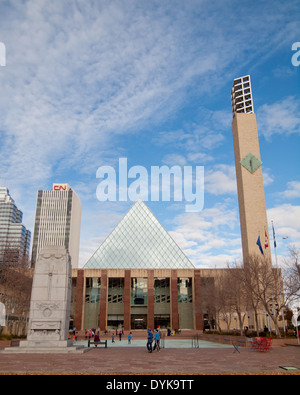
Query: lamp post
<point x="275" y="246"/>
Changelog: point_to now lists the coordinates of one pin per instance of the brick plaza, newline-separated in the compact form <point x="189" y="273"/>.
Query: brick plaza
<point x="132" y="359"/>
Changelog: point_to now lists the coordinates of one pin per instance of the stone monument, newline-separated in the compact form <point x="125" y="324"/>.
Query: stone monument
<point x="50" y="304"/>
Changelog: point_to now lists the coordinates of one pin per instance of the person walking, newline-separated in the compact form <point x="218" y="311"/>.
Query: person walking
<point x="156" y="339"/>
<point x="129" y="338"/>
<point x="149" y="340"/>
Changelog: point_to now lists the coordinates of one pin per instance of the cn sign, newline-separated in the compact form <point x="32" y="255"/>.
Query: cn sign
<point x="60" y="187"/>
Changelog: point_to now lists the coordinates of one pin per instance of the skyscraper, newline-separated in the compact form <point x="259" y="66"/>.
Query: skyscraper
<point x="251" y="195"/>
<point x="57" y="221"/>
<point x="14" y="237"/>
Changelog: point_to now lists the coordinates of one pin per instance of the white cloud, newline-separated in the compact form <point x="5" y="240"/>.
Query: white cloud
<point x="79" y="74"/>
<point x="174" y="160"/>
<point x="209" y="238"/>
<point x="282" y="117"/>
<point x="285" y="215"/>
<point x="220" y="261"/>
<point x="267" y="177"/>
<point x="221" y="180"/>
<point x="292" y="191"/>
<point x="286" y="222"/>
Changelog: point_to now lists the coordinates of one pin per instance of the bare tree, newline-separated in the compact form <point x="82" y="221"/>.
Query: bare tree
<point x="236" y="294"/>
<point x="15" y="289"/>
<point x="224" y="300"/>
<point x="291" y="276"/>
<point x="264" y="287"/>
<point x="256" y="286"/>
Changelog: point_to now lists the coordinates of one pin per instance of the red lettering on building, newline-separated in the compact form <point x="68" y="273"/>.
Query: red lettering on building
<point x="59" y="187"/>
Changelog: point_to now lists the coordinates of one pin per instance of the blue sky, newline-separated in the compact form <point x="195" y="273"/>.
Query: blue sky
<point x="88" y="82"/>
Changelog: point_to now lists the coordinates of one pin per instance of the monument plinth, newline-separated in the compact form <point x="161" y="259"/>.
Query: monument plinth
<point x="50" y="304"/>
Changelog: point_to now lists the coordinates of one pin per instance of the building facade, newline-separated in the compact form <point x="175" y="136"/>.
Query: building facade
<point x="57" y="221"/>
<point x="139" y="298"/>
<point x="14" y="237"/>
<point x="137" y="278"/>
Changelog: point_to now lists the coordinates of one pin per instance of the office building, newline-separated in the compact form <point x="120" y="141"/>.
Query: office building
<point x="14" y="237"/>
<point x="57" y="221"/>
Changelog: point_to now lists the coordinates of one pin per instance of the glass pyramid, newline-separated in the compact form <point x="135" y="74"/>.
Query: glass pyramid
<point x="139" y="241"/>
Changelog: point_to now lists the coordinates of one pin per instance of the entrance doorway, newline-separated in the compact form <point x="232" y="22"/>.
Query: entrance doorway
<point x="139" y="321"/>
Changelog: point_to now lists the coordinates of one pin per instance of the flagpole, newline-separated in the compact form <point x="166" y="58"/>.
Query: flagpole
<point x="275" y="246"/>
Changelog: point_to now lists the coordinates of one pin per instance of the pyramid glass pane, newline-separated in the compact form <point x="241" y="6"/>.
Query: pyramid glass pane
<point x="139" y="241"/>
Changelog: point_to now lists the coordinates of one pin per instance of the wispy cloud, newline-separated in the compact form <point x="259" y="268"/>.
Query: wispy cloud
<point x="282" y="117"/>
<point x="79" y="74"/>
<point x="292" y="191"/>
<point x="286" y="221"/>
<point x="221" y="180"/>
<point x="207" y="235"/>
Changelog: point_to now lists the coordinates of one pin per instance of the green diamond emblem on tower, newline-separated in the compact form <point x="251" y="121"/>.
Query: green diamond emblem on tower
<point x="251" y="162"/>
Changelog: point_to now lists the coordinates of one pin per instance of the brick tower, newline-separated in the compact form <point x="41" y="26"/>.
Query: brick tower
<point x="250" y="186"/>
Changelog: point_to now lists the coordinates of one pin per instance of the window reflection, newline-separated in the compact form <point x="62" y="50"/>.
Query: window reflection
<point x="139" y="291"/>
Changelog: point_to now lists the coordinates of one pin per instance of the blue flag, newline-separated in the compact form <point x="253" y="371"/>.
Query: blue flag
<point x="274" y="236"/>
<point x="259" y="245"/>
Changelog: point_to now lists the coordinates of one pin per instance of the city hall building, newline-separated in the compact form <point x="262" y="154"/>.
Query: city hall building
<point x="138" y="278"/>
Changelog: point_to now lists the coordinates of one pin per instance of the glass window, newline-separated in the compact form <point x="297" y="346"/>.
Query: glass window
<point x="139" y="291"/>
<point x="116" y="290"/>
<point x="185" y="305"/>
<point x="92" y="302"/>
<point x="162" y="290"/>
<point x="92" y="290"/>
<point x="139" y="240"/>
<point x="185" y="291"/>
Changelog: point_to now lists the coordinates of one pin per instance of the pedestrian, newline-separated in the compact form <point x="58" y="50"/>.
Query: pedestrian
<point x="129" y="338"/>
<point x="97" y="338"/>
<point x="156" y="339"/>
<point x="149" y="340"/>
<point x="120" y="335"/>
<point x="113" y="337"/>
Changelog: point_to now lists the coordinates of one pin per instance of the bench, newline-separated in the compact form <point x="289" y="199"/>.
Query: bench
<point x="14" y="343"/>
<point x="98" y="343"/>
